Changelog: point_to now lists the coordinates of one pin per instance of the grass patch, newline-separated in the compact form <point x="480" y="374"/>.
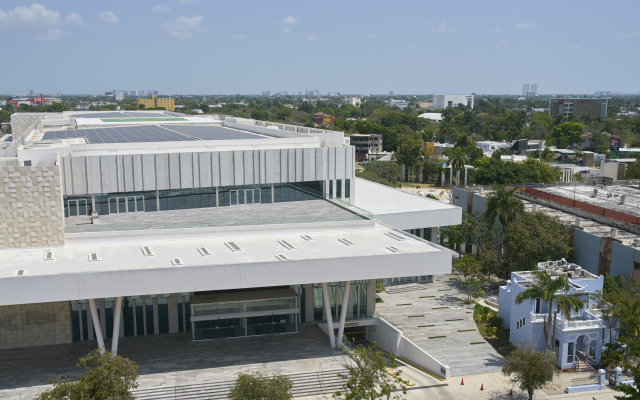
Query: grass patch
<point x="403" y="304"/>
<point x="416" y="316"/>
<point x="444" y="290"/>
<point x="426" y="326"/>
<point x="379" y="300"/>
<point x="454" y="319"/>
<point x="437" y="337"/>
<point x="427" y="297"/>
<point x="439" y="308"/>
<point x="466" y="330"/>
<point x="476" y="343"/>
<point x="490" y="327"/>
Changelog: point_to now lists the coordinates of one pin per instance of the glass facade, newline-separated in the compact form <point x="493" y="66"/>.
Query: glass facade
<point x="336" y="294"/>
<point x="181" y="199"/>
<point x="245" y="318"/>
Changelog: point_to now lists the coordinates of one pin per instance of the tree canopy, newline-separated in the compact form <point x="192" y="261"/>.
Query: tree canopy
<point x="529" y="369"/>
<point x="489" y="171"/>
<point x="259" y="386"/>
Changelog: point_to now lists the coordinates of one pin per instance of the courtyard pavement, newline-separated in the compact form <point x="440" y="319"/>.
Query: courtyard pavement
<point x="434" y="317"/>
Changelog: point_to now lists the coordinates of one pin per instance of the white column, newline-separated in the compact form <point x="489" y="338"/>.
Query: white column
<point x="442" y="179"/>
<point x="89" y="324"/>
<point x="117" y="314"/>
<point x="135" y="317"/>
<point x="273" y="194"/>
<point x="156" y="322"/>
<point x="96" y="324"/>
<point x="327" y="311"/>
<point x="371" y="297"/>
<point x="157" y="200"/>
<point x="343" y="313"/>
<point x="144" y="315"/>
<point x="465" y="176"/>
<point x="434" y="234"/>
<point x="217" y="198"/>
<point x="342" y="188"/>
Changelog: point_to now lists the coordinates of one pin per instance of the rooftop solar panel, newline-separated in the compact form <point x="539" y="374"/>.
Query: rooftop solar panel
<point x="124" y="134"/>
<point x="208" y="132"/>
<point x="100" y="115"/>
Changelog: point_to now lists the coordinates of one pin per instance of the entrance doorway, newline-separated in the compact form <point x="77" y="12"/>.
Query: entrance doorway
<point x="126" y="204"/>
<point x="245" y="196"/>
<point x="77" y="207"/>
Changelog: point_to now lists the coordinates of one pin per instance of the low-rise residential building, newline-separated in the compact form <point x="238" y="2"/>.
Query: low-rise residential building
<point x="366" y="144"/>
<point x="401" y="104"/>
<point x="354" y="101"/>
<point x="488" y="147"/>
<point x="322" y="119"/>
<point x="578" y="107"/>
<point x="452" y="100"/>
<point x="158" y="102"/>
<point x="578" y="337"/>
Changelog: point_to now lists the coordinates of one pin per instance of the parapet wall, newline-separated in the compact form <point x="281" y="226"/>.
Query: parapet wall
<point x="31" y="210"/>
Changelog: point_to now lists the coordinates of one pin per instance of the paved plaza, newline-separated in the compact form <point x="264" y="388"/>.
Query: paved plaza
<point x="434" y="317"/>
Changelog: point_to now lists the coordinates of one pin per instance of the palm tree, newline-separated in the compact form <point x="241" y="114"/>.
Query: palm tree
<point x="552" y="291"/>
<point x="457" y="159"/>
<point x="504" y="204"/>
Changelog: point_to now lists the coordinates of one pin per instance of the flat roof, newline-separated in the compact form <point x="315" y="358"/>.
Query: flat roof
<point x="120" y="114"/>
<point x="153" y="133"/>
<point x="235" y="258"/>
<point x="403" y="210"/>
<point x="307" y="211"/>
<point x="607" y="197"/>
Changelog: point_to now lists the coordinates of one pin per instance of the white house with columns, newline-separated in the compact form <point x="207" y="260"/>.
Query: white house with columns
<point x="161" y="223"/>
<point x="577" y="339"/>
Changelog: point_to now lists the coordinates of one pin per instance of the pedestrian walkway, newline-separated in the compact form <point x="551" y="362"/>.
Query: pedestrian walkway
<point x="434" y="317"/>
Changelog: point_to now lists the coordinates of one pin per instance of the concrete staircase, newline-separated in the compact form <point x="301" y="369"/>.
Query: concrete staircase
<point x="304" y="384"/>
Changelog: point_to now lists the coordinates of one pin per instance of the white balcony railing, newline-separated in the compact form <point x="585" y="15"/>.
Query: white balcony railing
<point x="537" y="317"/>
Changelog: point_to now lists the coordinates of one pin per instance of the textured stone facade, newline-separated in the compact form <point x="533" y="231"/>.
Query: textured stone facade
<point x="31" y="210"/>
<point x="35" y="325"/>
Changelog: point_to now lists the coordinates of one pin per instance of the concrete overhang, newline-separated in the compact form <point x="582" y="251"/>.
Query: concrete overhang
<point x="123" y="268"/>
<point x="402" y="210"/>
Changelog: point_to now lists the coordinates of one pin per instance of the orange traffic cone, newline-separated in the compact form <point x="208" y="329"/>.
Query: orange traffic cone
<point x="462" y="381"/>
<point x="511" y="392"/>
<point x="482" y="386"/>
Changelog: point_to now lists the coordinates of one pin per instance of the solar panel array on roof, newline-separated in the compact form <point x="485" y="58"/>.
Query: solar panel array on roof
<point x="124" y="134"/>
<point x="100" y="115"/>
<point x="212" y="132"/>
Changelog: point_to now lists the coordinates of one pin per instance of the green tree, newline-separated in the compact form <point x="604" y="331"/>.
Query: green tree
<point x="529" y="369"/>
<point x="258" y="386"/>
<point x="546" y="155"/>
<point x="370" y="375"/>
<point x="567" y="133"/>
<point x="306" y="107"/>
<point x="631" y="392"/>
<point x="457" y="160"/>
<point x="409" y="152"/>
<point x="632" y="171"/>
<point x="386" y="173"/>
<point x="549" y="289"/>
<point x="535" y="237"/>
<point x="204" y="107"/>
<point x="141" y="107"/>
<point x="260" y="114"/>
<point x="503" y="203"/>
<point x="470" y="270"/>
<point x="105" y="377"/>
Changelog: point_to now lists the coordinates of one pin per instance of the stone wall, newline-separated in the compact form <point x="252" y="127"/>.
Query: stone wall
<point x="35" y="325"/>
<point x="31" y="210"/>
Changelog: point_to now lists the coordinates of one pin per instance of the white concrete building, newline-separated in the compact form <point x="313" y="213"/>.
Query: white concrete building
<point x="354" y="101"/>
<point x="133" y="223"/>
<point x="401" y="104"/>
<point x="488" y="147"/>
<point x="433" y="117"/>
<point x="579" y="338"/>
<point x="452" y="100"/>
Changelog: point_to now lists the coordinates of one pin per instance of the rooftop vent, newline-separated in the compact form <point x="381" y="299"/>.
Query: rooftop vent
<point x="614" y="233"/>
<point x="636" y="242"/>
<point x="22" y="272"/>
<point x="146" y="250"/>
<point x="176" y="262"/>
<point x="595" y="193"/>
<point x="48" y="255"/>
<point x="204" y="251"/>
<point x="306" y="237"/>
<point x="623" y="197"/>
<point x="94" y="257"/>
<point x="534" y="208"/>
<point x="395" y="236"/>
<point x="232" y="246"/>
<point x="286" y="244"/>
<point x="282" y="257"/>
<point x="346" y="242"/>
<point x="393" y="249"/>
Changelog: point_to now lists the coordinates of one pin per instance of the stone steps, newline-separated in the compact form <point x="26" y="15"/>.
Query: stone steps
<point x="304" y="384"/>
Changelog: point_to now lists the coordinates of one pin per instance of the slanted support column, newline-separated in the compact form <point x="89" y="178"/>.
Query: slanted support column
<point x="343" y="312"/>
<point x="327" y="311"/>
<point x="96" y="325"/>
<point x="117" y="313"/>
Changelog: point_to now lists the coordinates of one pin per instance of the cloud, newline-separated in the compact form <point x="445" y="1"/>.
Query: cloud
<point x="496" y="29"/>
<point x="52" y="34"/>
<point x="287" y="23"/>
<point x="188" y="1"/>
<point x="108" y="17"/>
<point x="161" y="8"/>
<point x="526" y="25"/>
<point x="74" y="19"/>
<point x="36" y="14"/>
<point x="238" y="36"/>
<point x="443" y="27"/>
<point x="184" y="27"/>
<point x="312" y="38"/>
<point x="630" y="35"/>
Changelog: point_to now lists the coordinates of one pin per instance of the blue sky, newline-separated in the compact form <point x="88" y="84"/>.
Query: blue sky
<point x="225" y="46"/>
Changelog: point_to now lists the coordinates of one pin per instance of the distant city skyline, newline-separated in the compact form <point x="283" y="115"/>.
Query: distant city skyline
<point x="249" y="47"/>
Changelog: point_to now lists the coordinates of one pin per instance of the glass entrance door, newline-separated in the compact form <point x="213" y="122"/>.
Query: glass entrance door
<point x="77" y="207"/>
<point x="126" y="204"/>
<point x="244" y="196"/>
